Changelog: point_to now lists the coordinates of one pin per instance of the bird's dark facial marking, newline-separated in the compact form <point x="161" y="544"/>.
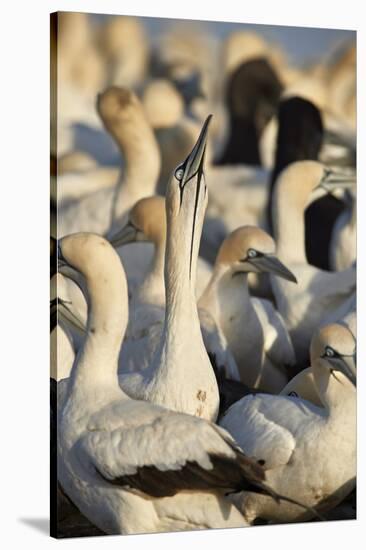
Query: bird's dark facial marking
<point x="252" y="254"/>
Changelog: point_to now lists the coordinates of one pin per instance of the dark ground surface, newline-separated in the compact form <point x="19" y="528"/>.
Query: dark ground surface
<point x="73" y="524"/>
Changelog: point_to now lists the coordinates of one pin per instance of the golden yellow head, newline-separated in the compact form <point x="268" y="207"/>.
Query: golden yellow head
<point x="250" y="249"/>
<point x="237" y="245"/>
<point x="334" y="346"/>
<point x="116" y="105"/>
<point x="148" y="217"/>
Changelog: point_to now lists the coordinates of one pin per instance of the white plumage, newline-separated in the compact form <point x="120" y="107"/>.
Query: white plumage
<point x="320" y="297"/>
<point x="306" y="450"/>
<point x="121" y="461"/>
<point x="123" y="117"/>
<point x="254" y="330"/>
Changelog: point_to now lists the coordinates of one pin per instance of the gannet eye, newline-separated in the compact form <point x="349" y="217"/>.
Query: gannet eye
<point x="179" y="173"/>
<point x="329" y="352"/>
<point x="252" y="253"/>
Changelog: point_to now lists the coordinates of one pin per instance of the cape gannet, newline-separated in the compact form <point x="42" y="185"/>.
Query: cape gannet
<point x="124" y="118"/>
<point x="147" y="223"/>
<point x="305" y="449"/>
<point x="131" y="466"/>
<point x="320" y="297"/>
<point x="179" y="347"/>
<point x="255" y="332"/>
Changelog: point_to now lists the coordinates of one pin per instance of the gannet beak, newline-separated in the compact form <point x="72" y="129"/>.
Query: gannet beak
<point x="346" y="365"/>
<point x="128" y="234"/>
<point x="336" y="180"/>
<point x="194" y="162"/>
<point x="269" y="263"/>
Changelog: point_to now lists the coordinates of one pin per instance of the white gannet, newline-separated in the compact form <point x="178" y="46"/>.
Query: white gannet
<point x="179" y="374"/>
<point x="255" y="332"/>
<point x="308" y="452"/>
<point x="320" y="297"/>
<point x="302" y="385"/>
<point x="147" y="223"/>
<point x="131" y="466"/>
<point x="343" y="244"/>
<point x="124" y="118"/>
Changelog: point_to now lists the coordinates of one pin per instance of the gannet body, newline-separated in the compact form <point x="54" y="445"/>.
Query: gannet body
<point x="255" y="332"/>
<point x="147" y="222"/>
<point x="320" y="297"/>
<point x="306" y="450"/>
<point x="181" y="349"/>
<point x="123" y="117"/>
<point x="131" y="466"/>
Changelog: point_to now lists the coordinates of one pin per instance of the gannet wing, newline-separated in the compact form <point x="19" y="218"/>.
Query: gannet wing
<point x="160" y="452"/>
<point x="253" y="424"/>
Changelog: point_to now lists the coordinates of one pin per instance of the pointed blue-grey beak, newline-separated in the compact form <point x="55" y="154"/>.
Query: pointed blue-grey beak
<point x="194" y="162"/>
<point x="269" y="263"/>
<point x="346" y="364"/>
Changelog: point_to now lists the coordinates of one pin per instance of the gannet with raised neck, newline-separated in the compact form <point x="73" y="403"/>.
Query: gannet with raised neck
<point x="255" y="332"/>
<point x="305" y="449"/>
<point x="147" y="223"/>
<point x="320" y="296"/>
<point x="131" y="466"/>
<point x="180" y="375"/>
<point x="124" y="119"/>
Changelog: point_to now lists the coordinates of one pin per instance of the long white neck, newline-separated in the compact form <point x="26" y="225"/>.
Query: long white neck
<point x="180" y="277"/>
<point x="141" y="168"/>
<point x="152" y="290"/>
<point x="94" y="373"/>
<point x="289" y="225"/>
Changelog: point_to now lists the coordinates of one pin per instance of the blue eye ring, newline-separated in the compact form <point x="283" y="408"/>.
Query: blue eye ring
<point x="179" y="173"/>
<point x="252" y="253"/>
